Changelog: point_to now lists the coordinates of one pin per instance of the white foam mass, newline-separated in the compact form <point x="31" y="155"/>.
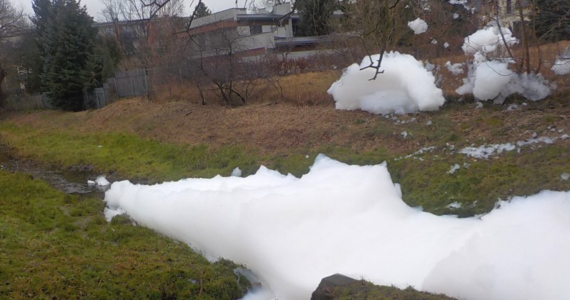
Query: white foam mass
<point x="488" y="40"/>
<point x="405" y="86"/>
<point x="561" y="66"/>
<point x="102" y="181"/>
<point x="347" y="219"/>
<point x="490" y="79"/>
<point x="418" y="25"/>
<point x="493" y="80"/>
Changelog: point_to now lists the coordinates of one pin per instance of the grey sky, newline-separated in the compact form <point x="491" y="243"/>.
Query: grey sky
<point x="94" y="7"/>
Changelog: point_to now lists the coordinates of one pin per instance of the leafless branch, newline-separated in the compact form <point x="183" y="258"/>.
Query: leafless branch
<point x="11" y="20"/>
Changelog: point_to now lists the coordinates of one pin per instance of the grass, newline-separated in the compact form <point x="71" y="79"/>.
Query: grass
<point x="57" y="246"/>
<point x="125" y="154"/>
<point x="309" y="89"/>
<point x="424" y="178"/>
<point x="364" y="290"/>
<point x="478" y="185"/>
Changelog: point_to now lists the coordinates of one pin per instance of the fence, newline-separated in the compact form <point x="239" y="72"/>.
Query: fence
<point x="130" y="83"/>
<point x="124" y="84"/>
<point x="21" y="101"/>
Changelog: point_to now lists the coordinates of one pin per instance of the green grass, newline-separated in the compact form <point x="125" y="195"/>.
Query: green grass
<point x="364" y="290"/>
<point x="482" y="183"/>
<point x="424" y="182"/>
<point x="56" y="246"/>
<point x="126" y="154"/>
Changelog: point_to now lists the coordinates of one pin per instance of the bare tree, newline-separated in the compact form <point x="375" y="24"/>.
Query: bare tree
<point x="143" y="28"/>
<point x="220" y="57"/>
<point x="215" y="56"/>
<point x="11" y="20"/>
<point x="11" y="25"/>
<point x="140" y="15"/>
<point x="377" y="26"/>
<point x="141" y="10"/>
<point x="535" y="22"/>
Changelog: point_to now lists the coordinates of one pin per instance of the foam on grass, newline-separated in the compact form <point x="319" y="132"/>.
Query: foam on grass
<point x="405" y="86"/>
<point x="348" y="219"/>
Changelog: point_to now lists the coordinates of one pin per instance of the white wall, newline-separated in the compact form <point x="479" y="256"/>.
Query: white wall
<point x="228" y="14"/>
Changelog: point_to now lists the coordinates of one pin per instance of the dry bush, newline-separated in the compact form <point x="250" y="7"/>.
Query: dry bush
<point x="298" y="89"/>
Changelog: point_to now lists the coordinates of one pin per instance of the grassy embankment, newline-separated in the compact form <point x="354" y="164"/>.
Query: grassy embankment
<point x="51" y="241"/>
<point x="57" y="246"/>
<point x="358" y="138"/>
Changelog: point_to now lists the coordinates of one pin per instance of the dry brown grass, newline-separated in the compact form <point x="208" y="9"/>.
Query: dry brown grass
<point x="310" y="88"/>
<point x="281" y="127"/>
<point x="298" y="89"/>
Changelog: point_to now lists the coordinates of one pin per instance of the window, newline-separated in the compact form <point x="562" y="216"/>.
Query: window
<point x="255" y="29"/>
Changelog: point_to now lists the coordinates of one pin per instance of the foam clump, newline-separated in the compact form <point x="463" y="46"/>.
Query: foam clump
<point x="418" y="25"/>
<point x="493" y="80"/>
<point x="405" y="86"/>
<point x="488" y="40"/>
<point x="348" y="219"/>
<point x="561" y="66"/>
<point x="101" y="181"/>
<point x="455" y="69"/>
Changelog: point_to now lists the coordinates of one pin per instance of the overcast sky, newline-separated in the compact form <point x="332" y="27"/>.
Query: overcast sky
<point x="94" y="7"/>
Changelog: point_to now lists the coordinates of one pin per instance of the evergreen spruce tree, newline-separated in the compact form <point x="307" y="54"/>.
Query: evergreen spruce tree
<point x="66" y="38"/>
<point x="42" y="16"/>
<point x="552" y="19"/>
<point x="316" y="15"/>
<point x="101" y="63"/>
<point x="202" y="10"/>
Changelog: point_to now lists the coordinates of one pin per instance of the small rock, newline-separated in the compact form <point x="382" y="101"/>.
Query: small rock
<point x="327" y="285"/>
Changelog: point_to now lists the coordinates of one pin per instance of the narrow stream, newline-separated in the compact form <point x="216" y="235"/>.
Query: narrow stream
<point x="67" y="181"/>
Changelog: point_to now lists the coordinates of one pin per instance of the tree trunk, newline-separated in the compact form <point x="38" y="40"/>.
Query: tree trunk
<point x="2" y="76"/>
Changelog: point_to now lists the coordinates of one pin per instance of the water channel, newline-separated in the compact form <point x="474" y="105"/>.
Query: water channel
<point x="72" y="181"/>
